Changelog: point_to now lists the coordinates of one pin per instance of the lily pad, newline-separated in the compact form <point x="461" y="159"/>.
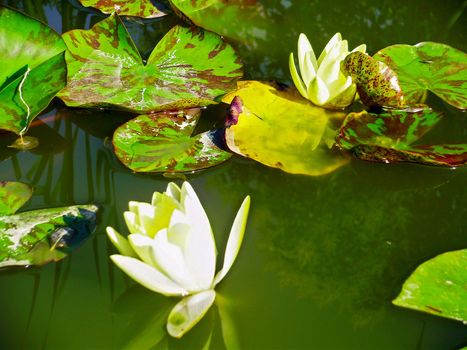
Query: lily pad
<point x="438" y="287"/>
<point x="431" y="66"/>
<point x="163" y="143"/>
<point x="280" y="129"/>
<point x="188" y="68"/>
<point x="40" y="236"/>
<point x="388" y="137"/>
<point x="377" y="84"/>
<point x="13" y="195"/>
<point x="136" y="8"/>
<point x="33" y="69"/>
<point x="236" y="19"/>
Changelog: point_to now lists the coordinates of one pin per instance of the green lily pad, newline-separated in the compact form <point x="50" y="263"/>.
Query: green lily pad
<point x="13" y="195"/>
<point x="136" y="8"/>
<point x="33" y="69"/>
<point x="280" y="129"/>
<point x="163" y="143"/>
<point x="429" y="66"/>
<point x="188" y="68"/>
<point x="242" y="20"/>
<point x="377" y="84"/>
<point x="388" y="137"/>
<point x="438" y="287"/>
<point x="40" y="236"/>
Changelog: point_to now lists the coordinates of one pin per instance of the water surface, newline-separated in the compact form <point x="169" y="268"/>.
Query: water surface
<point x="323" y="256"/>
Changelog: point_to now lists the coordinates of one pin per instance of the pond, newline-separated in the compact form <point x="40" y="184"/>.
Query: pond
<point x="323" y="256"/>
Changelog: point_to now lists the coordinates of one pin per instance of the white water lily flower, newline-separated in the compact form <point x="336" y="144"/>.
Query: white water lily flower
<point x="321" y="80"/>
<point x="171" y="250"/>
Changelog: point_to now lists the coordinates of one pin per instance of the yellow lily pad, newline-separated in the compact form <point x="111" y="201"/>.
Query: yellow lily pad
<point x="279" y="128"/>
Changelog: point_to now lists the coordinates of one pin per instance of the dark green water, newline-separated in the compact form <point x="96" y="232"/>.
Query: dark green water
<point x="323" y="256"/>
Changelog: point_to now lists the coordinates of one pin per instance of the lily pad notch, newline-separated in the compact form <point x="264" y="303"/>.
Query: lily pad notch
<point x="188" y="68"/>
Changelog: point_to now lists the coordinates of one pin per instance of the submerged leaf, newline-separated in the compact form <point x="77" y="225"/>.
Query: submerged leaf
<point x="429" y="66"/>
<point x="438" y="287"/>
<point x="388" y="137"/>
<point x="377" y="84"/>
<point x="188" y="68"/>
<point x="40" y="236"/>
<point x="163" y="143"/>
<point x="188" y="312"/>
<point x="137" y="8"/>
<point x="33" y="69"/>
<point x="13" y="195"/>
<point x="280" y="129"/>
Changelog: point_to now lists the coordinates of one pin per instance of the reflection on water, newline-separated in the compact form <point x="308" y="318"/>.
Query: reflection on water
<point x="322" y="256"/>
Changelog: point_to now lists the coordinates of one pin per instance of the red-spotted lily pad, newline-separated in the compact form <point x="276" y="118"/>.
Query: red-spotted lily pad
<point x="136" y="8"/>
<point x="188" y="68"/>
<point x="388" y="137"/>
<point x="164" y="143"/>
<point x="13" y="195"/>
<point x="431" y="66"/>
<point x="39" y="236"/>
<point x="280" y="129"/>
<point x="438" y="287"/>
<point x="33" y="69"/>
<point x="377" y="84"/>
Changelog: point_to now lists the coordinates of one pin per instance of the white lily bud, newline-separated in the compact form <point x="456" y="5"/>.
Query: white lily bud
<point x="321" y="80"/>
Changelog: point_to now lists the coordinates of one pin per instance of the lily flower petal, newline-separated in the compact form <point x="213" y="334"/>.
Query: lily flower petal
<point x="142" y="245"/>
<point x="296" y="77"/>
<point x="310" y="72"/>
<point x="331" y="43"/>
<point x="341" y="100"/>
<point x="330" y="73"/>
<point x="360" y="48"/>
<point x="235" y="239"/>
<point x="132" y="222"/>
<point x="188" y="312"/>
<point x="304" y="46"/>
<point x="147" y="215"/>
<point x="173" y="191"/>
<point x="170" y="258"/>
<point x="318" y="91"/>
<point x="148" y="276"/>
<point x="120" y="242"/>
<point x="200" y="251"/>
<point x="342" y="88"/>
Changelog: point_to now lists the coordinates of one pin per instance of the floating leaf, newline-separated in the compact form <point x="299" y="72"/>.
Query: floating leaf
<point x="40" y="236"/>
<point x="377" y="84"/>
<point x="13" y="195"/>
<point x="388" y="137"/>
<point x="137" y="8"/>
<point x="33" y="69"/>
<point x="438" y="286"/>
<point x="429" y="66"/>
<point x="219" y="16"/>
<point x="188" y="68"/>
<point x="280" y="129"/>
<point x="163" y="143"/>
